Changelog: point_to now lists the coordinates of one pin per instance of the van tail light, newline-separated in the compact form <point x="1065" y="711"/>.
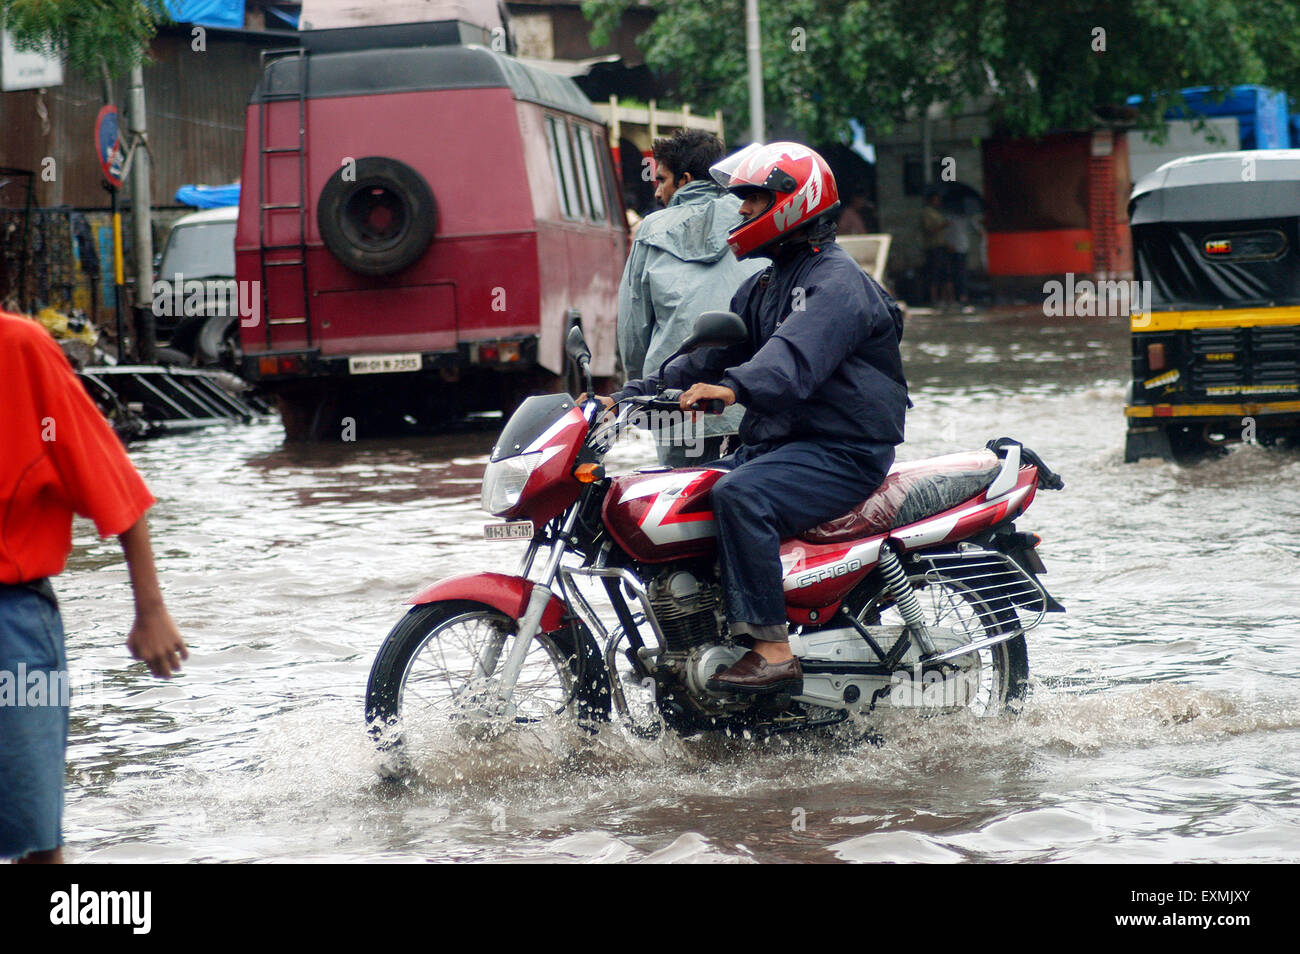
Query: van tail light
<point x="272" y="365"/>
<point x="1156" y="356"/>
<point x="495" y="352"/>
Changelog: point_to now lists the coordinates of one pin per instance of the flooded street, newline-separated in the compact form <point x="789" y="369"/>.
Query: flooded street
<point x="1163" y="722"/>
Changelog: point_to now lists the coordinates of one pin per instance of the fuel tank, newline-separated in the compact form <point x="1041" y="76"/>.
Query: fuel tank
<point x="658" y="516"/>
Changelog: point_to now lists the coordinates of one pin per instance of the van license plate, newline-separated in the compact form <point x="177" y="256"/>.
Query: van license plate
<point x="384" y="363"/>
<point x="515" y="530"/>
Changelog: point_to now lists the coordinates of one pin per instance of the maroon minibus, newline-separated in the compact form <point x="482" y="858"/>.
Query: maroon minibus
<point x="421" y="226"/>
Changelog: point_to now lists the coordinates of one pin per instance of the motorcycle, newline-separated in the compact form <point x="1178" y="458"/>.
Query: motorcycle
<point x="919" y="597"/>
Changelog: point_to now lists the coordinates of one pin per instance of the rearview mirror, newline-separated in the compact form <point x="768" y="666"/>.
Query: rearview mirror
<point x="714" y="329"/>
<point x="575" y="346"/>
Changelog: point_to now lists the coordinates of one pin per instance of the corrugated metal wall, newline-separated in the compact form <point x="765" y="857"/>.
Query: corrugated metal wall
<point x="195" y="101"/>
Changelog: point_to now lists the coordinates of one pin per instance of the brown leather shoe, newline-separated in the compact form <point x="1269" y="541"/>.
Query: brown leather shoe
<point x="753" y="675"/>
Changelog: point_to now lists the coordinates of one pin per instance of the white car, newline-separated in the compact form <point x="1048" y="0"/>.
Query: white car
<point x="194" y="298"/>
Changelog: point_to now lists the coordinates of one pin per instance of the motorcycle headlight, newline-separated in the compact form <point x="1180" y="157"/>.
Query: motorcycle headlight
<point x="503" y="481"/>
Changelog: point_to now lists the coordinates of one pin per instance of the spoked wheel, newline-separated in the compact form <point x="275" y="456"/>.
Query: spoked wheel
<point x="985" y="682"/>
<point x="441" y="666"/>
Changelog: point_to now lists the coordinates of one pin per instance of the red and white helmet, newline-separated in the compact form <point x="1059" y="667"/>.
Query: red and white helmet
<point x="801" y="180"/>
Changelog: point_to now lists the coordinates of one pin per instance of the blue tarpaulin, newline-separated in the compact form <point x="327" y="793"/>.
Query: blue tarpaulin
<point x="213" y="13"/>
<point x="1261" y="113"/>
<point x="208" y="197"/>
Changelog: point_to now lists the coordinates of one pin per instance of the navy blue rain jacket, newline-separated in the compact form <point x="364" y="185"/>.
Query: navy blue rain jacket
<point x="822" y="360"/>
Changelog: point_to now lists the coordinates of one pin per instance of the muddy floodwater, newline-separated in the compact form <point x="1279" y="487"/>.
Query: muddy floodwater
<point x="1163" y="723"/>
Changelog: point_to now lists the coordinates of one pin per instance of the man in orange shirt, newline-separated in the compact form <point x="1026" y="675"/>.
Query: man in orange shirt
<point x="58" y="456"/>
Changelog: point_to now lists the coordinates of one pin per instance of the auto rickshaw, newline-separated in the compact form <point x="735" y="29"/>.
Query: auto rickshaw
<point x="1216" y="342"/>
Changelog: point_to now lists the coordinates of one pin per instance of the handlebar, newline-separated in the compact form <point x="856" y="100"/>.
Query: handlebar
<point x="669" y="399"/>
<point x="614" y="419"/>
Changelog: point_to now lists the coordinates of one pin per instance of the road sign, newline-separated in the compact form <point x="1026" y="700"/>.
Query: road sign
<point x="108" y="146"/>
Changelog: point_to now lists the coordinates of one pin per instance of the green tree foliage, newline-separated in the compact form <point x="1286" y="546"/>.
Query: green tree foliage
<point x="119" y="31"/>
<point x="1043" y="65"/>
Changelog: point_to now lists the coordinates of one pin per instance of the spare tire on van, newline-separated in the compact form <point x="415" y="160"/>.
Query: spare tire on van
<point x="376" y="216"/>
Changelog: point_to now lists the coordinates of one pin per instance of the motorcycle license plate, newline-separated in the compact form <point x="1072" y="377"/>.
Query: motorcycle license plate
<point x="384" y="363"/>
<point x="514" y="530"/>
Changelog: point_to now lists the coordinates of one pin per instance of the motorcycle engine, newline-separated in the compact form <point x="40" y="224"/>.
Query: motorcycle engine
<point x="690" y="617"/>
<point x="687" y="610"/>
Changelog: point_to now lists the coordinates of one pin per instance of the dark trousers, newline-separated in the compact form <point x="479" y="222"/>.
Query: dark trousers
<point x="33" y="721"/>
<point x="935" y="272"/>
<point x="957" y="272"/>
<point x="773" y="493"/>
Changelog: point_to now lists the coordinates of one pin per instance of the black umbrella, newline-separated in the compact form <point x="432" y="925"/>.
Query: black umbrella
<point x="853" y="174"/>
<point x="957" y="198"/>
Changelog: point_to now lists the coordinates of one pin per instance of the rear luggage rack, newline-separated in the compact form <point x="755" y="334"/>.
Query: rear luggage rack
<point x="992" y="577"/>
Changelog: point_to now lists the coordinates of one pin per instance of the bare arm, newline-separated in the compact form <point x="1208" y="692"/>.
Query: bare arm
<point x="154" y="637"/>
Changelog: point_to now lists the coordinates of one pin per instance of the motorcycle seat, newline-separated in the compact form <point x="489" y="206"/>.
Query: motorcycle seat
<point x="912" y="491"/>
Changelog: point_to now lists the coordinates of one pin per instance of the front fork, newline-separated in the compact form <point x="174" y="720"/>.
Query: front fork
<point x="530" y="622"/>
<point x="487" y="663"/>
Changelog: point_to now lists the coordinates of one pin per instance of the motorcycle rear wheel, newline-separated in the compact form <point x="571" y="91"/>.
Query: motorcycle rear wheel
<point x="987" y="682"/>
<point x="427" y="672"/>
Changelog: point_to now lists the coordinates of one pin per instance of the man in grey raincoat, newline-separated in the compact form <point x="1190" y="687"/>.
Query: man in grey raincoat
<point x="680" y="266"/>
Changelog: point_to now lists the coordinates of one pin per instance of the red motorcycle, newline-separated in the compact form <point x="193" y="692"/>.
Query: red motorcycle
<point x="920" y="596"/>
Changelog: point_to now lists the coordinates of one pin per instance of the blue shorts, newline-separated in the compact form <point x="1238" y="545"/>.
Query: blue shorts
<point x="33" y="723"/>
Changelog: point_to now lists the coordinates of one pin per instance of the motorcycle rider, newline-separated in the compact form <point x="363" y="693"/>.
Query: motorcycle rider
<point x="680" y="266"/>
<point x="822" y="380"/>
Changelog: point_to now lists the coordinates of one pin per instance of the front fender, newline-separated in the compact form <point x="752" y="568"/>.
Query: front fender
<point x="509" y="594"/>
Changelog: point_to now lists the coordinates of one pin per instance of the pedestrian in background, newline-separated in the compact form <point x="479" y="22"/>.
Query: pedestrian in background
<point x="958" y="238"/>
<point x="934" y="228"/>
<point x="858" y="216"/>
<point x="59" y="457"/>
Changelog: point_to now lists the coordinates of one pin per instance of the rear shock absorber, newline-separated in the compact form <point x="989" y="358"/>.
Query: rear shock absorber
<point x="891" y="568"/>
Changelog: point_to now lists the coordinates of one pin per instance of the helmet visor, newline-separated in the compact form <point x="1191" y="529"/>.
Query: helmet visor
<point x="736" y="170"/>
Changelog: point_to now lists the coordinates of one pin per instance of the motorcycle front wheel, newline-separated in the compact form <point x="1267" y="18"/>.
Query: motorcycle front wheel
<point x="986" y="682"/>
<point x="441" y="665"/>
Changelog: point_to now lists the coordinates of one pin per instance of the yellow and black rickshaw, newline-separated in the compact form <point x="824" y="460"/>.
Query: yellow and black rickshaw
<point x="1216" y="344"/>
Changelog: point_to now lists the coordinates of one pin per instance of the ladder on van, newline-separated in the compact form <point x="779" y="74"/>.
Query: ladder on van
<point x="271" y="95"/>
